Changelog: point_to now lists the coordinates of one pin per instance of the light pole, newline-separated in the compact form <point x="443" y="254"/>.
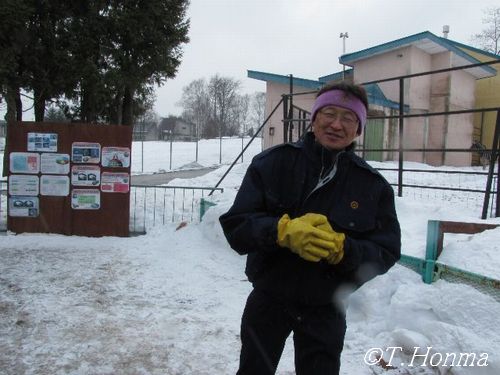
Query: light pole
<point x="343" y="36"/>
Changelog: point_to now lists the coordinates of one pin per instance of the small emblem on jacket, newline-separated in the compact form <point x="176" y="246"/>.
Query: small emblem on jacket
<point x="354" y="205"/>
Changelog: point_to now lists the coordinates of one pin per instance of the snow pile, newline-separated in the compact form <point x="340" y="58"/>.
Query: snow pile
<point x="170" y="302"/>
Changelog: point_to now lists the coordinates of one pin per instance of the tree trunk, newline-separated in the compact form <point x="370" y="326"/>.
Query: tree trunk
<point x="117" y="114"/>
<point x="14" y="105"/>
<point x="39" y="105"/>
<point x="128" y="104"/>
<point x="19" y="105"/>
<point x="88" y="110"/>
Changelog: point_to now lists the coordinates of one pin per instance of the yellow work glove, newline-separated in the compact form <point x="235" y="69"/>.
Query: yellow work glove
<point x="337" y="253"/>
<point x="302" y="236"/>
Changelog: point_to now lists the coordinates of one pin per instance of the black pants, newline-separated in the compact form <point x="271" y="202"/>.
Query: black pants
<point x="318" y="336"/>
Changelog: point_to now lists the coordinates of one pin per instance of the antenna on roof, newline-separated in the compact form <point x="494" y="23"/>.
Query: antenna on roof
<point x="446" y="31"/>
<point x="343" y="36"/>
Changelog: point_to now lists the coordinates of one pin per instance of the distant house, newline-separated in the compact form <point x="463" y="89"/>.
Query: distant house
<point x="145" y="132"/>
<point x="454" y="90"/>
<point x="176" y="128"/>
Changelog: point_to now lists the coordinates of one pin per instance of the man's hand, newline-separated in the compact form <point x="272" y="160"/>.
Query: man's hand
<point x="336" y="255"/>
<point x="304" y="236"/>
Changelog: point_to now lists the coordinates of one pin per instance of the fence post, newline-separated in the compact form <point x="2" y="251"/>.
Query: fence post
<point x="491" y="171"/>
<point x="401" y="122"/>
<point x="286" y="123"/>
<point x="431" y="249"/>
<point x="204" y="206"/>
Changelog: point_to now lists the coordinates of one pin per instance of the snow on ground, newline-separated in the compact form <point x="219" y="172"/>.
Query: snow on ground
<point x="170" y="302"/>
<point x="155" y="156"/>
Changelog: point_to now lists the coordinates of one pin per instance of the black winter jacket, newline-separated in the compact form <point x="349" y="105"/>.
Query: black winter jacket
<point x="357" y="201"/>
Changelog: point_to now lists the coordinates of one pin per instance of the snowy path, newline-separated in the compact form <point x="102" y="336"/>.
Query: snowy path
<point x="170" y="303"/>
<point x="86" y="306"/>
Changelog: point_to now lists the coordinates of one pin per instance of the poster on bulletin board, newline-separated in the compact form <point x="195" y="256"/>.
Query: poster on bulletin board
<point x="86" y="152"/>
<point x="54" y="163"/>
<point x="55" y="173"/>
<point x="116" y="157"/>
<point x="20" y="184"/>
<point x="43" y="142"/>
<point x="24" y="162"/>
<point x="85" y="199"/>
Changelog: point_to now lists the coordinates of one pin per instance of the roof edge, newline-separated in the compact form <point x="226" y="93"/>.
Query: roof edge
<point x="284" y="79"/>
<point x="446" y="43"/>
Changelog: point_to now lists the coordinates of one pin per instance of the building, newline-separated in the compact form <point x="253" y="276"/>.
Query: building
<point x="487" y="95"/>
<point x="176" y="128"/>
<point x="443" y="92"/>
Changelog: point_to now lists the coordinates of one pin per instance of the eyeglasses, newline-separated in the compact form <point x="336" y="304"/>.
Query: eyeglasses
<point x="345" y="118"/>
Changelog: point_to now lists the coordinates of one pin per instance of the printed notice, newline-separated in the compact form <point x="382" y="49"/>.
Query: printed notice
<point x="116" y="157"/>
<point x="43" y="142"/>
<point x="23" y="206"/>
<point x="84" y="152"/>
<point x="23" y="185"/>
<point x="85" y="199"/>
<point x="54" y="163"/>
<point x="24" y="162"/>
<point x="57" y="186"/>
<point x="115" y="182"/>
<point x="85" y="175"/>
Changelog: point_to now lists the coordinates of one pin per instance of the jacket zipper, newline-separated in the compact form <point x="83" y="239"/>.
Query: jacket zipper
<point x="324" y="180"/>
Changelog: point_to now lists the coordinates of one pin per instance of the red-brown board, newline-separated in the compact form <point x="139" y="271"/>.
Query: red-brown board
<point x="55" y="213"/>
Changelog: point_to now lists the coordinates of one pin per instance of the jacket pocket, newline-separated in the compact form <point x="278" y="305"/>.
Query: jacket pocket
<point x="355" y="215"/>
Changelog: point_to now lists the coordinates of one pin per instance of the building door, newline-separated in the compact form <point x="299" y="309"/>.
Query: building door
<point x="374" y="139"/>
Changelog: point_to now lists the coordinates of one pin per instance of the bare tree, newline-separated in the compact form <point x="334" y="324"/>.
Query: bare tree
<point x="488" y="39"/>
<point x="240" y="112"/>
<point x="218" y="109"/>
<point x="258" y="109"/>
<point x="223" y="94"/>
<point x="195" y="102"/>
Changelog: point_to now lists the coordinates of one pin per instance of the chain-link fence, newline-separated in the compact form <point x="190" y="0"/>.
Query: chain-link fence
<point x="431" y="269"/>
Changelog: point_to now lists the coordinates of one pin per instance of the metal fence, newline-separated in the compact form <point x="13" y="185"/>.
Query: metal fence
<point x="157" y="205"/>
<point x="467" y="187"/>
<point x="3" y="205"/>
<point x="149" y="205"/>
<point x="295" y="123"/>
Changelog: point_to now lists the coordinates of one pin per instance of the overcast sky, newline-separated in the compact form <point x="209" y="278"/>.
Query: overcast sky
<point x="301" y="37"/>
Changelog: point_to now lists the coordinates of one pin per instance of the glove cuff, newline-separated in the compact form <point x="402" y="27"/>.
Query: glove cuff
<point x="282" y="223"/>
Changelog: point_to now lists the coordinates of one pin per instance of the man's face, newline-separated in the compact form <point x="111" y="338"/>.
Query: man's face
<point x="335" y="128"/>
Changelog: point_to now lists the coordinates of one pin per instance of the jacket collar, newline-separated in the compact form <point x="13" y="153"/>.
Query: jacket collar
<point x="315" y="152"/>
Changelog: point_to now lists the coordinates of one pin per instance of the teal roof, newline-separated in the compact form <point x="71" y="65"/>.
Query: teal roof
<point x="428" y="42"/>
<point x="285" y="80"/>
<point x="461" y="45"/>
<point x="336" y="76"/>
<point x="375" y="94"/>
<point x="377" y="97"/>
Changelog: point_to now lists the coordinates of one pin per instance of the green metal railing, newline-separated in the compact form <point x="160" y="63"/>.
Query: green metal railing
<point x="432" y="270"/>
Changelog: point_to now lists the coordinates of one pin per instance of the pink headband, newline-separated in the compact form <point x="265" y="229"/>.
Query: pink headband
<point x="340" y="98"/>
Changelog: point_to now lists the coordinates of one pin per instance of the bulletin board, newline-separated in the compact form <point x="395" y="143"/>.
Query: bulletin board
<point x="69" y="178"/>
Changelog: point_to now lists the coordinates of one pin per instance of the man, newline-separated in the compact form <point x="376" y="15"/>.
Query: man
<point x="316" y="221"/>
